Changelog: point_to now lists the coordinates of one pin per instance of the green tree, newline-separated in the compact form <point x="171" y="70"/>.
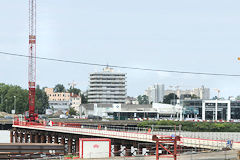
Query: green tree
<point x="143" y="99"/>
<point x="41" y="100"/>
<point x="7" y="93"/>
<point x="59" y="88"/>
<point x="167" y="98"/>
<point x="74" y="90"/>
<point x="84" y="99"/>
<point x="72" y="111"/>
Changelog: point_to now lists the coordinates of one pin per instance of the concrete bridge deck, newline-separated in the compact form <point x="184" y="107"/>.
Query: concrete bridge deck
<point x="140" y="135"/>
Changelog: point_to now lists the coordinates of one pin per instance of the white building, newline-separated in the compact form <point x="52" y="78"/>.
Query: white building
<point x="155" y="93"/>
<point x="202" y="93"/>
<point x="75" y="101"/>
<point x="107" y="87"/>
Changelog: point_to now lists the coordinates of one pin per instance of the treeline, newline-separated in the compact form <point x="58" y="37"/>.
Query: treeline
<point x="195" y="126"/>
<point x="11" y="93"/>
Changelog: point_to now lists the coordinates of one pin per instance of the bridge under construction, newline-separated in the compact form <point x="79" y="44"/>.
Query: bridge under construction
<point x="132" y="139"/>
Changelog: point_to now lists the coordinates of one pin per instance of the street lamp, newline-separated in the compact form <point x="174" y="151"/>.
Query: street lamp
<point x="14" y="104"/>
<point x="6" y="105"/>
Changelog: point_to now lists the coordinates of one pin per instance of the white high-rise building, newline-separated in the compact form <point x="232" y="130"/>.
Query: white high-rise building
<point x="107" y="86"/>
<point x="155" y="93"/>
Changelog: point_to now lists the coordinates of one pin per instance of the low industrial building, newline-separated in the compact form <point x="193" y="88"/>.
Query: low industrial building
<point x="130" y="111"/>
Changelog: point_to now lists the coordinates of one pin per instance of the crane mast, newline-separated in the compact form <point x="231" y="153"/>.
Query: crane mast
<point x="31" y="115"/>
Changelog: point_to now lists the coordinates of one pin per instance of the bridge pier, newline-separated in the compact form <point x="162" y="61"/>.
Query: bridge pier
<point x="49" y="138"/>
<point x="15" y="136"/>
<point x="117" y="149"/>
<point x="31" y="137"/>
<point x="77" y="146"/>
<point x="21" y="137"/>
<point x="43" y="138"/>
<point x="56" y="139"/>
<point x="26" y="137"/>
<point x="11" y="136"/>
<point x="151" y="150"/>
<point x="128" y="152"/>
<point x="69" y="145"/>
<point x="36" y="138"/>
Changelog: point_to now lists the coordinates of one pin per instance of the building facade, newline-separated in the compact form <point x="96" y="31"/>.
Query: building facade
<point x="62" y="100"/>
<point x="75" y="101"/>
<point x="211" y="109"/>
<point x="201" y="93"/>
<point x="155" y="93"/>
<point x="107" y="87"/>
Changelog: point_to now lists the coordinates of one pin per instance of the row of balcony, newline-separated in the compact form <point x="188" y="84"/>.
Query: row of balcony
<point x="107" y="76"/>
<point x="105" y="96"/>
<point x="107" y="93"/>
<point x="105" y="85"/>
<point x="95" y="89"/>
<point x="106" y="101"/>
<point x="108" y="81"/>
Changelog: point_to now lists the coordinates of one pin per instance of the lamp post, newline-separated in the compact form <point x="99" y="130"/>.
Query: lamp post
<point x="14" y="104"/>
<point x="6" y="105"/>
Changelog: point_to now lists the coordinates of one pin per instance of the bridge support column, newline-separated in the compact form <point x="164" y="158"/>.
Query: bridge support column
<point x="63" y="140"/>
<point x="36" y="138"/>
<point x="49" y="139"/>
<point x="21" y="137"/>
<point x="151" y="150"/>
<point x="56" y="139"/>
<point x="77" y="146"/>
<point x="31" y="138"/>
<point x="117" y="149"/>
<point x="140" y="150"/>
<point x="69" y="145"/>
<point x="11" y="136"/>
<point x="16" y="136"/>
<point x="26" y="137"/>
<point x="43" y="138"/>
<point x="128" y="150"/>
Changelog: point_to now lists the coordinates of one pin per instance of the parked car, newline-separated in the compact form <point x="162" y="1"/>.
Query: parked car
<point x="8" y="117"/>
<point x="63" y="116"/>
<point x="93" y="117"/>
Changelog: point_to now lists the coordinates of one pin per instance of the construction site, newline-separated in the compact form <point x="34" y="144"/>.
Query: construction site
<point x="32" y="137"/>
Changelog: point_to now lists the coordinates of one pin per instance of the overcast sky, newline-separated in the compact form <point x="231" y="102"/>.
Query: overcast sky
<point x="185" y="35"/>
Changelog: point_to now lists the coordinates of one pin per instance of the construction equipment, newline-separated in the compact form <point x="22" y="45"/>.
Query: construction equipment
<point x="160" y="140"/>
<point x="30" y="115"/>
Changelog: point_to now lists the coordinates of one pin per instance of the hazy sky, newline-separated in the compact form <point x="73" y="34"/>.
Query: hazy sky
<point x="185" y="35"/>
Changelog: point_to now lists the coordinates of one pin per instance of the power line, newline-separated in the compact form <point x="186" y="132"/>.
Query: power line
<point x="124" y="67"/>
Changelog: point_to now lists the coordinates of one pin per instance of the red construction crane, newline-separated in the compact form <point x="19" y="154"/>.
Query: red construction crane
<point x="31" y="115"/>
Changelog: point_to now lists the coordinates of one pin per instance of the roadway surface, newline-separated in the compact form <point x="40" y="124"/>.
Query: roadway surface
<point x="228" y="155"/>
